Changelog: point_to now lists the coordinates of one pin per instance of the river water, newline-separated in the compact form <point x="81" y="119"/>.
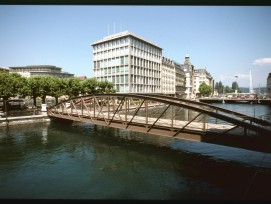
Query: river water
<point x="58" y="160"/>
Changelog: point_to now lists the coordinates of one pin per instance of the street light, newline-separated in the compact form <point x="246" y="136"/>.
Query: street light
<point x="236" y="84"/>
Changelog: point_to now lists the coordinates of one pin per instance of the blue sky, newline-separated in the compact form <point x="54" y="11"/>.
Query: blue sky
<point x="226" y="40"/>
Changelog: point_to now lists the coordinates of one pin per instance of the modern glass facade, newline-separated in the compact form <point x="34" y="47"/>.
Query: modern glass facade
<point x="131" y="63"/>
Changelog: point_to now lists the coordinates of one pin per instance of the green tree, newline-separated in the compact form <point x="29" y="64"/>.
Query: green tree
<point x="58" y="88"/>
<point x="46" y="87"/>
<point x="205" y="89"/>
<point x="90" y="86"/>
<point x="73" y="87"/>
<point x="33" y="84"/>
<point x="11" y="84"/>
<point x="228" y="89"/>
<point x="219" y="87"/>
<point x="235" y="86"/>
<point x="105" y="87"/>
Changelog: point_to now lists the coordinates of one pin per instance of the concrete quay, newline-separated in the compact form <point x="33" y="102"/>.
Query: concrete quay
<point x="5" y="121"/>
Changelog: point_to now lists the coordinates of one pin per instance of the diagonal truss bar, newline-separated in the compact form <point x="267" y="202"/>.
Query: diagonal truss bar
<point x="84" y="104"/>
<point x="65" y="108"/>
<point x="100" y="110"/>
<point x="158" y="118"/>
<point x="135" y="113"/>
<point x="120" y="109"/>
<point x="76" y="110"/>
<point x="117" y="109"/>
<point x="186" y="124"/>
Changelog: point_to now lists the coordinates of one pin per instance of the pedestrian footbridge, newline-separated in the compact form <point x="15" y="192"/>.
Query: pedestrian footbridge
<point x="169" y="117"/>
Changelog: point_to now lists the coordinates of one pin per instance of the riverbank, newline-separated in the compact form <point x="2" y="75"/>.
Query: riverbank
<point x="23" y="120"/>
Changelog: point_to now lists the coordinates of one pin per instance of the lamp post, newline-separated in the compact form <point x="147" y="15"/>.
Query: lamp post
<point x="236" y="84"/>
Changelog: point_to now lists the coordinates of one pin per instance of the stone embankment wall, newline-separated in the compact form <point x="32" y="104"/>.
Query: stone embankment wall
<point x="4" y="121"/>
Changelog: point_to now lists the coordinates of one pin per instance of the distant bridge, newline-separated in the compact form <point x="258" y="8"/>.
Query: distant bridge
<point x="239" y="100"/>
<point x="168" y="116"/>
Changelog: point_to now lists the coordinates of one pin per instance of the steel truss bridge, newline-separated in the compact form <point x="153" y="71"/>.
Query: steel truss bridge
<point x="168" y="116"/>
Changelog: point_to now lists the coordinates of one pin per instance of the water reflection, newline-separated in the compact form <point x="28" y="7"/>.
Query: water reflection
<point x="44" y="135"/>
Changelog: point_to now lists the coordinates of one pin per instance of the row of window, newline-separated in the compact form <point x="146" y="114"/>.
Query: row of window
<point x="145" y="46"/>
<point x="123" y="79"/>
<point x="110" y="44"/>
<point x="111" y="53"/>
<point x="110" y="71"/>
<point x="201" y="81"/>
<point x="145" y="88"/>
<point x="168" y="81"/>
<point x="111" y="62"/>
<point x="145" y="63"/>
<point x="124" y="51"/>
<point x="168" y="73"/>
<point x="124" y="69"/>
<point x="144" y="54"/>
<point x="138" y="88"/>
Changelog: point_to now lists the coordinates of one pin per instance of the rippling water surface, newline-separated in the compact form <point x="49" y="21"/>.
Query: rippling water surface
<point x="81" y="161"/>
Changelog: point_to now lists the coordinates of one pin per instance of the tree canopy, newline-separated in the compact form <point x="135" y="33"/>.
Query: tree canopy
<point x="221" y="89"/>
<point x="13" y="84"/>
<point x="205" y="89"/>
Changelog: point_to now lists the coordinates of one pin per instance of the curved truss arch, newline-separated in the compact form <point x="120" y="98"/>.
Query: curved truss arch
<point x="168" y="116"/>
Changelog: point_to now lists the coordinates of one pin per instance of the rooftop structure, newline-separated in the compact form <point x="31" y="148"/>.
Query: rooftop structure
<point x="40" y="70"/>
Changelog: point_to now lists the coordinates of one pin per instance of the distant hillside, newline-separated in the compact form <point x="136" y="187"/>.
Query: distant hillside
<point x="256" y="90"/>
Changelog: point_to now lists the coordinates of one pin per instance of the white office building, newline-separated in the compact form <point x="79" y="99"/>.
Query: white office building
<point x="130" y="62"/>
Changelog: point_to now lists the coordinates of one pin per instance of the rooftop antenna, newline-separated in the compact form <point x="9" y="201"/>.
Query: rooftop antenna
<point x="120" y="26"/>
<point x="114" y="27"/>
<point x="108" y="29"/>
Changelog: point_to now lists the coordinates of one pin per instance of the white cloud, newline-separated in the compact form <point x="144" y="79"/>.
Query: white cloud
<point x="262" y="61"/>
